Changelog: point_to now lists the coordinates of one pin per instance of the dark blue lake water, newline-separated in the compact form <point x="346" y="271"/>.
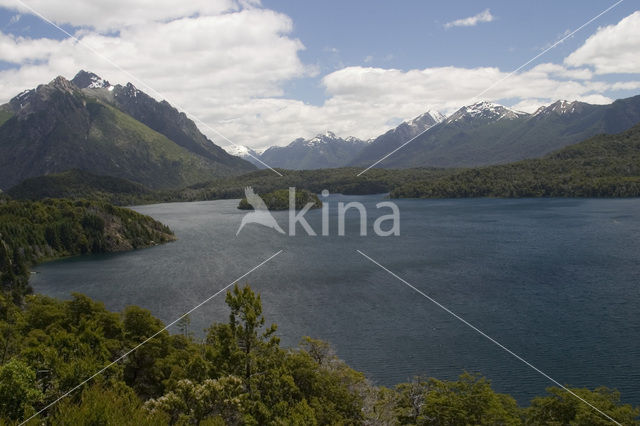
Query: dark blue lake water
<point x="555" y="280"/>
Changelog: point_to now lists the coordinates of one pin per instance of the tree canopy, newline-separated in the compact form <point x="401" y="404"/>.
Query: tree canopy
<point x="237" y="375"/>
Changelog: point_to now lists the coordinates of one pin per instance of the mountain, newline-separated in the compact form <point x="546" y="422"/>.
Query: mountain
<point x="602" y="166"/>
<point x="485" y="133"/>
<point x="394" y="138"/>
<point x="320" y="152"/>
<point x="246" y="153"/>
<point x="109" y="130"/>
<point x="159" y="116"/>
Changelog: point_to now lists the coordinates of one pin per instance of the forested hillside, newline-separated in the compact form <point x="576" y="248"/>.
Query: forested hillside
<point x="31" y="232"/>
<point x="279" y="200"/>
<point x="603" y="166"/>
<point x="83" y="185"/>
<point x="79" y="184"/>
<point x="343" y="180"/>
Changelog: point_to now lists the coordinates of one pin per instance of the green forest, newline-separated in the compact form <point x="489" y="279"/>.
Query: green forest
<point x="238" y="374"/>
<point x="279" y="200"/>
<point x="78" y="184"/>
<point x="603" y="166"/>
<point x="32" y="232"/>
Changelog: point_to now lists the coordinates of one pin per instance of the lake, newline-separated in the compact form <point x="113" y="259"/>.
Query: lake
<point x="554" y="280"/>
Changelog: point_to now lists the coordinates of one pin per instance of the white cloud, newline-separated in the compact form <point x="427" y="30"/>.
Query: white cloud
<point x="626" y="85"/>
<point x="209" y="59"/>
<point x="484" y="16"/>
<point x="215" y="67"/>
<point x="564" y="72"/>
<point x="612" y="49"/>
<point x="116" y="14"/>
<point x="228" y="67"/>
<point x="391" y="92"/>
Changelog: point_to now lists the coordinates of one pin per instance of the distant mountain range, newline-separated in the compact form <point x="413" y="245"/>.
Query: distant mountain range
<point x="328" y="150"/>
<point x="602" y="166"/>
<point x="246" y="153"/>
<point x="475" y="135"/>
<point x="88" y="124"/>
<point x="486" y="133"/>
<point x="320" y="152"/>
<point x="386" y="143"/>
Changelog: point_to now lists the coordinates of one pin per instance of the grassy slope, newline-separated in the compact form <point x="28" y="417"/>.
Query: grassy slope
<point x="75" y="131"/>
<point x="142" y="154"/>
<point x="603" y="166"/>
<point x="4" y="116"/>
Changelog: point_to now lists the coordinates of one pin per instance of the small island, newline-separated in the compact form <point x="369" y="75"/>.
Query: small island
<point x="279" y="200"/>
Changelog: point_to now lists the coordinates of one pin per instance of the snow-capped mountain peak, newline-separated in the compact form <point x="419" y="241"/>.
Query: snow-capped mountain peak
<point x="352" y="139"/>
<point x="484" y="110"/>
<point x="98" y="83"/>
<point x="325" y="150"/>
<point x="246" y="153"/>
<point x="324" y="138"/>
<point x="561" y="107"/>
<point x="237" y="150"/>
<point x="436" y="116"/>
<point x="420" y="123"/>
<point x="88" y="80"/>
<point x="428" y="119"/>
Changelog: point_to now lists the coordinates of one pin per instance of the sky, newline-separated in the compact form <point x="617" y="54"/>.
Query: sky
<point x="264" y="73"/>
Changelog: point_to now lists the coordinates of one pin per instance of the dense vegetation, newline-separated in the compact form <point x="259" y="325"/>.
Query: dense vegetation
<point x="35" y="231"/>
<point x="238" y="374"/>
<point x="343" y="180"/>
<point x="279" y="200"/>
<point x="5" y="114"/>
<point x="76" y="184"/>
<point x="79" y="184"/>
<point x="603" y="166"/>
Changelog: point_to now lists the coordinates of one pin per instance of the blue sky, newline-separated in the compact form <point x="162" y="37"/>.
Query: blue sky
<point x="264" y="73"/>
<point x="411" y="34"/>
